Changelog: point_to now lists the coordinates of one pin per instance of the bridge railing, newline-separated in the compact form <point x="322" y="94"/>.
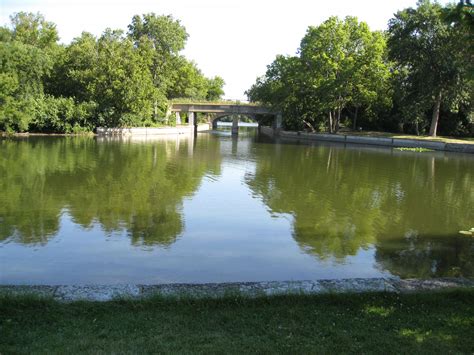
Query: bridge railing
<point x="217" y="102"/>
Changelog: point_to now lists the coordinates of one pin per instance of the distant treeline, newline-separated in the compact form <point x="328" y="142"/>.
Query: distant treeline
<point x="118" y="79"/>
<point x="416" y="77"/>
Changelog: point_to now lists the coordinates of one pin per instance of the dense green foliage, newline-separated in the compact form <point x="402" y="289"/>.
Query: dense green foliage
<point x="412" y="78"/>
<point x="339" y="323"/>
<point x="118" y="79"/>
<point x="431" y="64"/>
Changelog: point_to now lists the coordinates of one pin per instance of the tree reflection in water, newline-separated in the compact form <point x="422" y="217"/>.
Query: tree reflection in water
<point x="405" y="208"/>
<point x="118" y="184"/>
<point x="343" y="200"/>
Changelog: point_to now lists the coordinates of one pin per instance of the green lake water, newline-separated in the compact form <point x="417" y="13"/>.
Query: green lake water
<point x="217" y="208"/>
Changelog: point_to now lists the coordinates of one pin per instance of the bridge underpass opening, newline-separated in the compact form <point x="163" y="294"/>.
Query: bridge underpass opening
<point x="234" y="121"/>
<point x="218" y="110"/>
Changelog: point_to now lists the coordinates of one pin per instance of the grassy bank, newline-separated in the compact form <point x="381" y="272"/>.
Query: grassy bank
<point x="463" y="140"/>
<point x="389" y="323"/>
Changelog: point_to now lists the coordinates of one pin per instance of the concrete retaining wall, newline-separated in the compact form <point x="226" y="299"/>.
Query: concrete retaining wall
<point x="388" y="142"/>
<point x="249" y="289"/>
<point x="139" y="131"/>
<point x="369" y="140"/>
<point x="266" y="130"/>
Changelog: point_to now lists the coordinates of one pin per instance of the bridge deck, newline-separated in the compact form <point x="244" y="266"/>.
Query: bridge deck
<point x="223" y="108"/>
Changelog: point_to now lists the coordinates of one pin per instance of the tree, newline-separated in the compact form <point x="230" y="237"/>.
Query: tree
<point x="341" y="64"/>
<point x="75" y="71"/>
<point x="344" y="62"/>
<point x="23" y="68"/>
<point x="428" y="49"/>
<point x="113" y="80"/>
<point x="33" y="29"/>
<point x="122" y="86"/>
<point x="109" y="74"/>
<point x="160" y="38"/>
<point x="215" y="88"/>
<point x="186" y="80"/>
<point x="283" y="87"/>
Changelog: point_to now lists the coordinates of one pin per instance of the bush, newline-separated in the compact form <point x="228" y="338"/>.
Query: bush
<point x="62" y="115"/>
<point x="15" y="115"/>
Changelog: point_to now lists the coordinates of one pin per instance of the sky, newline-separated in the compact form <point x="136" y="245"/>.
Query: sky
<point x="235" y="39"/>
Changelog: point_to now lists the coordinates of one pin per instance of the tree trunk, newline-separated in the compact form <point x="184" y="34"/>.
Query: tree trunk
<point x="309" y="125"/>
<point x="155" y="102"/>
<point x="401" y="127"/>
<point x="338" y="119"/>
<point x="330" y="121"/>
<point x="354" y="123"/>
<point x="435" y="118"/>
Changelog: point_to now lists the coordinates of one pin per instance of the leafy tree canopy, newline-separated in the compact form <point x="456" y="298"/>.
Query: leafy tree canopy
<point x="117" y="79"/>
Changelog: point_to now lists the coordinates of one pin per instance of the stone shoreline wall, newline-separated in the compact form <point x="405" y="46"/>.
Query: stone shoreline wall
<point x="68" y="293"/>
<point x="381" y="141"/>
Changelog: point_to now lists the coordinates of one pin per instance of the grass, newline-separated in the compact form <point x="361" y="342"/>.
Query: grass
<point x="359" y="323"/>
<point x="464" y="140"/>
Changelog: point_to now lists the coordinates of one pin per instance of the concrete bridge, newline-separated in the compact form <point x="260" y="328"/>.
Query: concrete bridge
<point x="220" y="110"/>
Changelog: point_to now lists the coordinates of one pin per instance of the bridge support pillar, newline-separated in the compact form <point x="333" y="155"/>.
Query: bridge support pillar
<point x="278" y="123"/>
<point x="192" y="121"/>
<point x="235" y="124"/>
<point x="178" y="118"/>
<point x="167" y="115"/>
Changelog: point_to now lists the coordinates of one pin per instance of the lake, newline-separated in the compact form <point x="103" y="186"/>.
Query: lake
<point x="218" y="208"/>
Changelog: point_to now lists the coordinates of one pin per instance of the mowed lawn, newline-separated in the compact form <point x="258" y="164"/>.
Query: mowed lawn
<point x="461" y="140"/>
<point x="349" y="323"/>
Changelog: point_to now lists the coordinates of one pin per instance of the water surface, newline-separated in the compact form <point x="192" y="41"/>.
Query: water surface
<point x="218" y="208"/>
